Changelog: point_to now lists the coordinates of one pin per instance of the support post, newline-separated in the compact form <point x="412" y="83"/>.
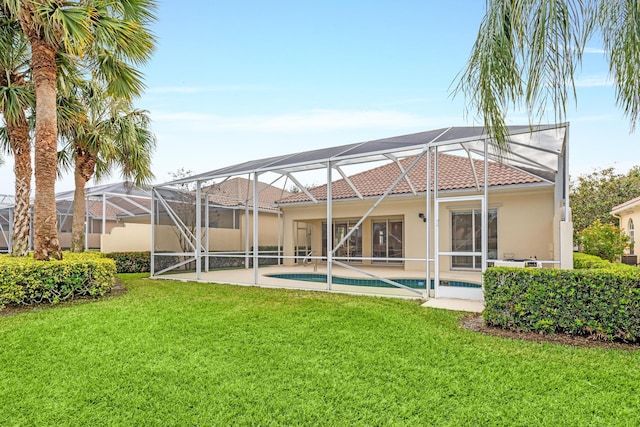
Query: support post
<point x="484" y="228"/>
<point x="427" y="216"/>
<point x="206" y="232"/>
<point x="565" y="178"/>
<point x="279" y="235"/>
<point x="86" y="223"/>
<point x="329" y="227"/>
<point x="256" y="260"/>
<point x="246" y="233"/>
<point x="153" y="232"/>
<point x="436" y="225"/>
<point x="198" y="251"/>
<point x="104" y="217"/>
<point x="10" y="232"/>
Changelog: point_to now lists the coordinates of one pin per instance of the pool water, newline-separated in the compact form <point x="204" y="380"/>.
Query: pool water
<point x="412" y="283"/>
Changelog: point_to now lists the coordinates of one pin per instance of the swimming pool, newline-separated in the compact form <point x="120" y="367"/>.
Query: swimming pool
<point x="337" y="280"/>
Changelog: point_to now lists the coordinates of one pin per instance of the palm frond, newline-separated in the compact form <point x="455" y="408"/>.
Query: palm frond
<point x="65" y="160"/>
<point x="526" y="54"/>
<point x="66" y="25"/>
<point x="5" y="143"/>
<point x="619" y="21"/>
<point x="123" y="80"/>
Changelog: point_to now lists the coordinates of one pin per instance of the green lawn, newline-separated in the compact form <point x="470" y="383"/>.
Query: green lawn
<point x="171" y="353"/>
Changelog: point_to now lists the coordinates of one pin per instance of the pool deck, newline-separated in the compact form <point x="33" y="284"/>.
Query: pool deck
<point x="245" y="277"/>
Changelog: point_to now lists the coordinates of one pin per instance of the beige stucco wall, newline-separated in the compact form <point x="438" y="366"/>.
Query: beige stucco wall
<point x="4" y="245"/>
<point x="135" y="236"/>
<point x="631" y="213"/>
<point x="267" y="226"/>
<point x="128" y="238"/>
<point x="525" y="223"/>
<point x="92" y="238"/>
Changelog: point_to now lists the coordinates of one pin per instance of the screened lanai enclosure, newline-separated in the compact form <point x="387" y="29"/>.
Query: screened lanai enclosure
<point x="117" y="216"/>
<point x="6" y="222"/>
<point x="107" y="207"/>
<point x="416" y="215"/>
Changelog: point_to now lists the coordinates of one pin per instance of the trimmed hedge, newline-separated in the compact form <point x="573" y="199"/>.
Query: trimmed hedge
<point x="140" y="262"/>
<point x="131" y="262"/>
<point x="24" y="281"/>
<point x="584" y="261"/>
<point x="601" y="303"/>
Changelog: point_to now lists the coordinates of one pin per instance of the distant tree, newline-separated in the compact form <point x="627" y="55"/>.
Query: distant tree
<point x="527" y="52"/>
<point x="183" y="203"/>
<point x="595" y="194"/>
<point x="606" y="241"/>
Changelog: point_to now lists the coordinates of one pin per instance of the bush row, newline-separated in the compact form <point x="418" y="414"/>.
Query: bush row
<point x="140" y="262"/>
<point x="583" y="261"/>
<point x="24" y="281"/>
<point x="602" y="303"/>
<point x="131" y="262"/>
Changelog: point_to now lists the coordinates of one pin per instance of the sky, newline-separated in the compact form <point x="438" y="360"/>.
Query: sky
<point x="232" y="81"/>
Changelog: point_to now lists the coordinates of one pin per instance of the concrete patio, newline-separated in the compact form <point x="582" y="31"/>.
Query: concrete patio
<point x="246" y="277"/>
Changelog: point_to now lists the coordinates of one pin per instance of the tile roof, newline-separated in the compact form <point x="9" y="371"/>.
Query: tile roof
<point x="454" y="173"/>
<point x="628" y="204"/>
<point x="236" y="191"/>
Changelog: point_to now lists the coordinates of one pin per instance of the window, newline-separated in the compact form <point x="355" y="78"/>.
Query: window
<point x="466" y="237"/>
<point x="224" y="218"/>
<point x="631" y="235"/>
<point x="302" y="246"/>
<point x="388" y="239"/>
<point x="352" y="248"/>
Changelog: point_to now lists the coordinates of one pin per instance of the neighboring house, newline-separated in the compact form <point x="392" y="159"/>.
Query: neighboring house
<point x="118" y="217"/>
<point x="229" y="216"/>
<point x="629" y="215"/>
<point x="6" y="218"/>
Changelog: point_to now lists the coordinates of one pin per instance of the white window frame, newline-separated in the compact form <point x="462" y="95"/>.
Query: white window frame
<point x="476" y="266"/>
<point x="631" y="232"/>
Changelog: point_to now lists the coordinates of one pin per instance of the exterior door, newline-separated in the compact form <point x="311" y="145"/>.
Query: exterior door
<point x="388" y="241"/>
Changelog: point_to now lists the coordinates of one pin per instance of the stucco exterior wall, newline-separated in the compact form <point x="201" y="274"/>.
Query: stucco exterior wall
<point x="93" y="240"/>
<point x="267" y="226"/>
<point x="631" y="213"/>
<point x="525" y="223"/>
<point x="136" y="236"/>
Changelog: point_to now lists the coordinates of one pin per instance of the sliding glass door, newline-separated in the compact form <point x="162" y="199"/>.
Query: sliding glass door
<point x="352" y="248"/>
<point x="388" y="240"/>
<point x="466" y="236"/>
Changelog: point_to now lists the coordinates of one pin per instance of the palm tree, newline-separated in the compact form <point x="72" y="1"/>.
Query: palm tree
<point x="527" y="51"/>
<point x="103" y="35"/>
<point x="112" y="134"/>
<point x="16" y="97"/>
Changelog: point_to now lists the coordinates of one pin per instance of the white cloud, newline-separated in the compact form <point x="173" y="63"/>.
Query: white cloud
<point x="308" y="121"/>
<point x="594" y="81"/>
<point x="594" y="50"/>
<point x="205" y="89"/>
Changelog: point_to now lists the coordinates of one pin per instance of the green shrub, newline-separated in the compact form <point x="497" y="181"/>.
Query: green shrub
<point x="598" y="302"/>
<point x="131" y="262"/>
<point x="604" y="240"/>
<point x="585" y="261"/>
<point x="24" y="281"/>
<point x="140" y="262"/>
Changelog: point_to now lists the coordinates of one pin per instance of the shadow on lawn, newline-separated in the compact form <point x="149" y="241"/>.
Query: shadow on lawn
<point x="474" y="323"/>
<point x="12" y="310"/>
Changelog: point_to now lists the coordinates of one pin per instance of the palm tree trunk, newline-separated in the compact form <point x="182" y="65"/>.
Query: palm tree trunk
<point x="84" y="168"/>
<point x="19" y="139"/>
<point x="46" y="243"/>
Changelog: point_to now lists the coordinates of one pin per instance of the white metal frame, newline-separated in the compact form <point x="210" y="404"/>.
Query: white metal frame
<point x="433" y="200"/>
